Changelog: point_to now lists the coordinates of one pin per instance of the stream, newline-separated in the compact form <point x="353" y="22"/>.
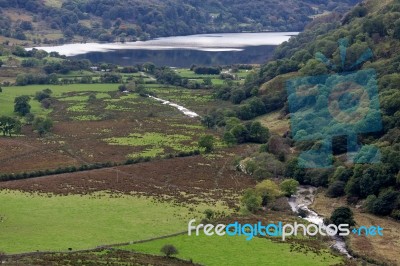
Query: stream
<point x="182" y="109"/>
<point x="301" y="201"/>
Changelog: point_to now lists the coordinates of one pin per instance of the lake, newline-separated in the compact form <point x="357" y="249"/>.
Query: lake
<point x="182" y="51"/>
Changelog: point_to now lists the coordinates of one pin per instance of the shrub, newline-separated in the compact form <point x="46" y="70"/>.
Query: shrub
<point x="384" y="204"/>
<point x="251" y="200"/>
<point x="342" y="215"/>
<point x="209" y="214"/>
<point x="169" y="250"/>
<point x="336" y="189"/>
<point x="21" y="105"/>
<point x="289" y="187"/>
<point x="268" y="190"/>
<point x="207" y="142"/>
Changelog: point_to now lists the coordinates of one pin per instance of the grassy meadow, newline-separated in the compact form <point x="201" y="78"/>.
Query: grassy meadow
<point x="30" y="222"/>
<point x="225" y="250"/>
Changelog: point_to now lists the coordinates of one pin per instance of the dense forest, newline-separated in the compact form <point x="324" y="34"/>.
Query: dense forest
<point x="369" y="37"/>
<point x="129" y="20"/>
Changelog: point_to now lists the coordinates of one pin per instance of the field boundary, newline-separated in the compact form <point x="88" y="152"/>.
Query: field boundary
<point x="96" y="249"/>
<point x="90" y="167"/>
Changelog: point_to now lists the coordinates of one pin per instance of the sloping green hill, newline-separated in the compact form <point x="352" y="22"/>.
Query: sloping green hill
<point x="370" y="42"/>
<point x="57" y="21"/>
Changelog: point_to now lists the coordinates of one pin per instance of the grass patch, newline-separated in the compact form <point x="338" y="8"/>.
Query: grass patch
<point x="225" y="250"/>
<point x="81" y="107"/>
<point x="187" y="73"/>
<point x="87" y="118"/>
<point x="274" y="123"/>
<point x="9" y="93"/>
<point x="33" y="222"/>
<point x="154" y="142"/>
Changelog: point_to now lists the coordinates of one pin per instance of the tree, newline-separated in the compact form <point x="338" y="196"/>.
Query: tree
<point x="241" y="133"/>
<point x="229" y="138"/>
<point x="237" y="96"/>
<point x="384" y="204"/>
<point x="257" y="106"/>
<point x="268" y="190"/>
<point x="258" y="133"/>
<point x="169" y="250"/>
<point x="251" y="200"/>
<point x="41" y="95"/>
<point x="289" y="187"/>
<point x="245" y="112"/>
<point x="42" y="125"/>
<point x="21" y="105"/>
<point x="207" y="142"/>
<point x="9" y="125"/>
<point x="342" y="215"/>
<point x="314" y="68"/>
<point x="336" y="189"/>
<point x="149" y="67"/>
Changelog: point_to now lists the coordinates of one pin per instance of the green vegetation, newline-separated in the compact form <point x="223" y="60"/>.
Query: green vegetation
<point x="207" y="142"/>
<point x="156" y="143"/>
<point x="237" y="251"/>
<point x="9" y="126"/>
<point x="368" y="26"/>
<point x="10" y="93"/>
<point x="22" y="106"/>
<point x="342" y="215"/>
<point x="169" y="250"/>
<point x="241" y="104"/>
<point x="104" y="21"/>
<point x="289" y="187"/>
<point x="79" y="222"/>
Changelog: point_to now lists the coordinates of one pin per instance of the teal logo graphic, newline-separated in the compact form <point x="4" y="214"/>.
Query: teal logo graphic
<point x="328" y="106"/>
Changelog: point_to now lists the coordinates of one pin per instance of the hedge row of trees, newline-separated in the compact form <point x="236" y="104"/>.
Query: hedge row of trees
<point x="87" y="167"/>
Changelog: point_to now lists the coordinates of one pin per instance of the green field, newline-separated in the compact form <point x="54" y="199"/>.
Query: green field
<point x="225" y="250"/>
<point x="9" y="93"/>
<point x="30" y="222"/>
<point x="187" y="73"/>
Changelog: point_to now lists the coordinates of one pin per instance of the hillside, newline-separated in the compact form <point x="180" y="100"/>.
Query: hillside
<point x="59" y="21"/>
<point x="360" y="47"/>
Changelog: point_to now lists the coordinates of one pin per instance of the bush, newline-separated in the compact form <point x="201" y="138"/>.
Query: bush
<point x="396" y="214"/>
<point x="268" y="191"/>
<point x="209" y="214"/>
<point x="251" y="200"/>
<point x="384" y="204"/>
<point x="207" y="142"/>
<point x="42" y="125"/>
<point x="289" y="187"/>
<point x="92" y="98"/>
<point x="342" y="215"/>
<point x="169" y="250"/>
<point x="336" y="189"/>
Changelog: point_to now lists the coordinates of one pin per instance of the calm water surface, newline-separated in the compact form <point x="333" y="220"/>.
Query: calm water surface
<point x="182" y="51"/>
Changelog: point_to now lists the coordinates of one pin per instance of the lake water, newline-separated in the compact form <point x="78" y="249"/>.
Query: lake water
<point x="182" y="51"/>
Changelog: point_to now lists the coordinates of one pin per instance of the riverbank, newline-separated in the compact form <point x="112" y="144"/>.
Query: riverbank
<point x="304" y="198"/>
<point x="378" y="249"/>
